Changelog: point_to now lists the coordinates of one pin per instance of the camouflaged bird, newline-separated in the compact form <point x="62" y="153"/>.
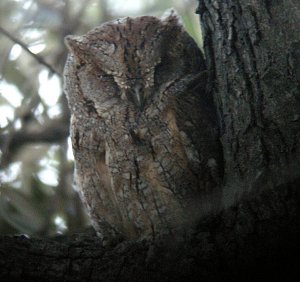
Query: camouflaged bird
<point x="144" y="141"/>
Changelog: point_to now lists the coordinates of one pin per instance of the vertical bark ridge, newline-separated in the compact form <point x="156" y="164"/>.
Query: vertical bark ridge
<point x="248" y="45"/>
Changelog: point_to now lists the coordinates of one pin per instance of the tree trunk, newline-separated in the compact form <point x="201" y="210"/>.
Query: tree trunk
<point x="252" y="51"/>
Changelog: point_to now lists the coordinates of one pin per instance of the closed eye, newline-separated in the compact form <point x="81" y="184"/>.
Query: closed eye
<point x="105" y="77"/>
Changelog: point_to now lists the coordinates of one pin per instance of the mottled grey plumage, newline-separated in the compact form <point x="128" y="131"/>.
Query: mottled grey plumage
<point x="144" y="141"/>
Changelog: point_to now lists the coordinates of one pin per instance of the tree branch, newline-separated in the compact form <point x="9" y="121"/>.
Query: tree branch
<point x="54" y="131"/>
<point x="24" y="46"/>
<point x="256" y="237"/>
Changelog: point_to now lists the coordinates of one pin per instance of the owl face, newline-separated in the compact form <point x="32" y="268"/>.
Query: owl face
<point x="136" y="54"/>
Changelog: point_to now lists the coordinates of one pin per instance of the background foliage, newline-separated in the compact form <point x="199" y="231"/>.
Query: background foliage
<point x="36" y="166"/>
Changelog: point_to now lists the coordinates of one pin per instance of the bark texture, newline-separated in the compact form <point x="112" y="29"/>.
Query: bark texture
<point x="252" y="49"/>
<point x="256" y="238"/>
<point x="252" y="52"/>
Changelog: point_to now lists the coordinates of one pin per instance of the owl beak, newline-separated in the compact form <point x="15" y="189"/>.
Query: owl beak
<point x="138" y="97"/>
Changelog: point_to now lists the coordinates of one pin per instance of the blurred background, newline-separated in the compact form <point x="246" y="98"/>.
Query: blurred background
<point x="37" y="195"/>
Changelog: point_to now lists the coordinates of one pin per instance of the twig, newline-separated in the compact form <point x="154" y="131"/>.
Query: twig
<point x="55" y="131"/>
<point x="24" y="46"/>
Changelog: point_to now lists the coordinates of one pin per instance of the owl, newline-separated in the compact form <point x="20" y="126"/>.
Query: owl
<point x="144" y="136"/>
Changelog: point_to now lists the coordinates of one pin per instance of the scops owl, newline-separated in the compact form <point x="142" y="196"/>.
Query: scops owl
<point x="144" y="141"/>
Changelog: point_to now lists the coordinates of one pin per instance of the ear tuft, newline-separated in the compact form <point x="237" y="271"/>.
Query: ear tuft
<point x="171" y="16"/>
<point x="73" y="43"/>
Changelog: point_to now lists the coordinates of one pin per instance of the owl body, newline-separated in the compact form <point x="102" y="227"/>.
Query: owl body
<point x="139" y="133"/>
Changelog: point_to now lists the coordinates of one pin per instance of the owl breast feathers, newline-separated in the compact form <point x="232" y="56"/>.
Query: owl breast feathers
<point x="144" y="140"/>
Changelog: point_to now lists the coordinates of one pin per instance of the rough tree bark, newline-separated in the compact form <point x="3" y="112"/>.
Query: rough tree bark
<point x="252" y="49"/>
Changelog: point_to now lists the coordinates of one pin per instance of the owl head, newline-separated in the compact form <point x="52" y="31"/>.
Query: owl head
<point x="138" y="54"/>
